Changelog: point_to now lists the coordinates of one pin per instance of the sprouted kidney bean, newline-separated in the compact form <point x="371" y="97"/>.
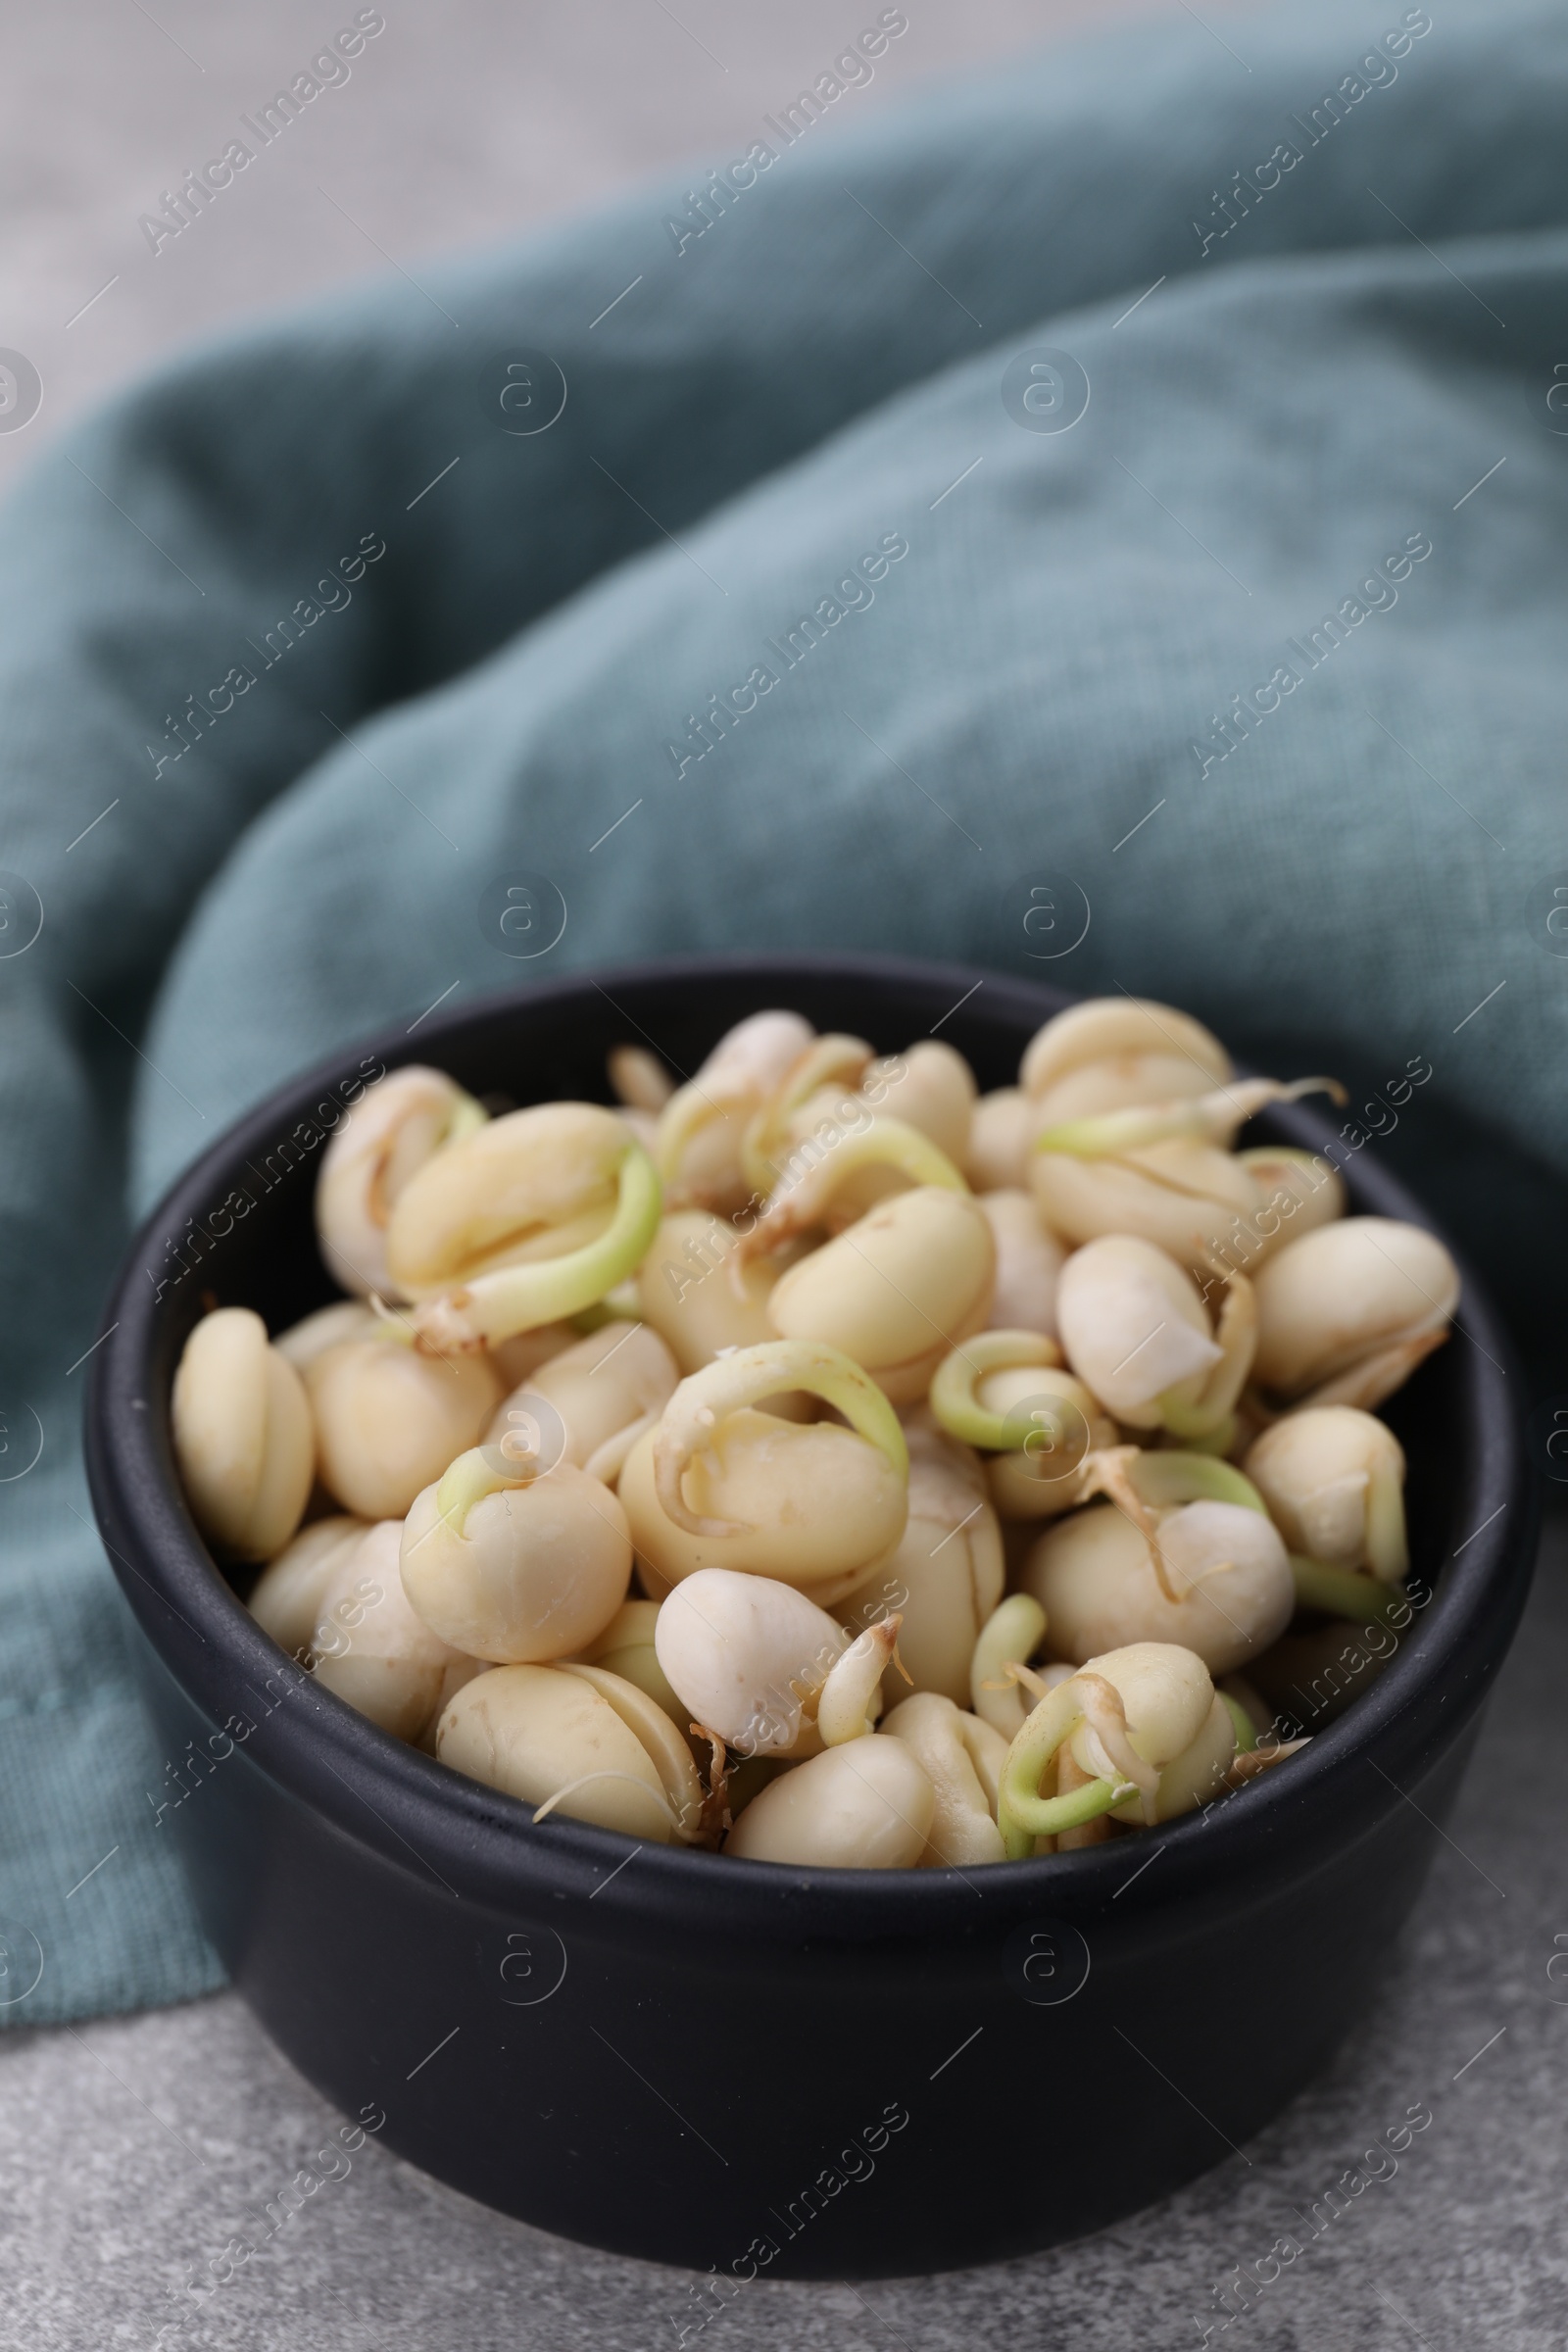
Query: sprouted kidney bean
<point x="383" y="1143"/>
<point x="656" y="1469"/>
<point x="720" y="1484"/>
<point x="527" y="1219"/>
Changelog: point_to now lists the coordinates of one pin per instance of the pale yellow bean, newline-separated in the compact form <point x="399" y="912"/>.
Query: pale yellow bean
<point x="586" y="1396"/>
<point x="709" y="1170"/>
<point x="1123" y="1029"/>
<point x="1120" y="1733"/>
<point x="1122" y="1082"/>
<point x="517" y="1571"/>
<point x="244" y="1443"/>
<point x="1002" y="1129"/>
<point x="1192" y="1200"/>
<point x="929" y="1086"/>
<point x="1041" y="1479"/>
<point x="286" y="1601"/>
<point x="669" y="1753"/>
<point x="867" y="1805"/>
<point x="946" y="1576"/>
<point x="1167" y="1696"/>
<point x="524" y="1221"/>
<point x="388" y="1419"/>
<point x="851" y="1699"/>
<point x="703" y="1127"/>
<point x="627" y="1647"/>
<point x="1303" y="1193"/>
<point x="747" y="1657"/>
<point x="946" y="1744"/>
<point x="402" y="1121"/>
<point x="456" y="1677"/>
<point x="812" y="1505"/>
<point x="1363" y="1288"/>
<point x="897" y="1291"/>
<point x="1190" y="1778"/>
<point x="1334" y="1479"/>
<point x="866" y="1156"/>
<point x="685" y="1290"/>
<point x="314" y="1335"/>
<point x="552" y="1740"/>
<point x="370" y="1647"/>
<point x="1134" y="1326"/>
<point x="1093" y="1576"/>
<point x="498" y="1195"/>
<point x="812" y="1089"/>
<point x="518" y="1358"/>
<point x="1029" y="1263"/>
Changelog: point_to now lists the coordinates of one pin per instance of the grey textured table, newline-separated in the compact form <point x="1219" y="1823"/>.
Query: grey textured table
<point x="132" y="2152"/>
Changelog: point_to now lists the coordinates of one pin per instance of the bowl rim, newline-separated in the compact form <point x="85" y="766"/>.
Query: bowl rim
<point x="335" y="1760"/>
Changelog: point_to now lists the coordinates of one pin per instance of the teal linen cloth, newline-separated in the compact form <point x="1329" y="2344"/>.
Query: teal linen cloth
<point x="820" y="615"/>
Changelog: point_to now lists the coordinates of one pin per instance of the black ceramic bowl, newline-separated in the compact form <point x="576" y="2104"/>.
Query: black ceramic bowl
<point x="731" y="2065"/>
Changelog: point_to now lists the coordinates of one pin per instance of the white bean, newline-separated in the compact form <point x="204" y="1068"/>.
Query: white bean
<point x="895" y="1291"/>
<point x="1355" y="1306"/>
<point x="243" y="1437"/>
<point x="748" y="1656"/>
<point x="554" y="1740"/>
<point x="1333" y="1478"/>
<point x="946" y="1744"/>
<point x="515" y="1570"/>
<point x="1029" y="1263"/>
<point x="371" y="1647"/>
<point x="401" y="1122"/>
<point x="1093" y="1576"/>
<point x="1133" y="1327"/>
<point x="286" y="1601"/>
<point x="867" y="1805"/>
<point x="390" y="1419"/>
<point x="1000" y="1131"/>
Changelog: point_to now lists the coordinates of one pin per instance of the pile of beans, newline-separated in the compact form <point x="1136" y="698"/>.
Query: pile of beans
<point x="821" y="1462"/>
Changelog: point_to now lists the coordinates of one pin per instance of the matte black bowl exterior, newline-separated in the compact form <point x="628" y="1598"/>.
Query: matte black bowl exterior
<point x="764" y="2070"/>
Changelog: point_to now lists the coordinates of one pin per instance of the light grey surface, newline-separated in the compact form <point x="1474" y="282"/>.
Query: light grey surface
<point x="459" y="124"/>
<point x="133" y="2151"/>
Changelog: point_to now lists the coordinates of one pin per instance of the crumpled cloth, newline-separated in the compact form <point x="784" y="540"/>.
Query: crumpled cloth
<point x="1103" y="520"/>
